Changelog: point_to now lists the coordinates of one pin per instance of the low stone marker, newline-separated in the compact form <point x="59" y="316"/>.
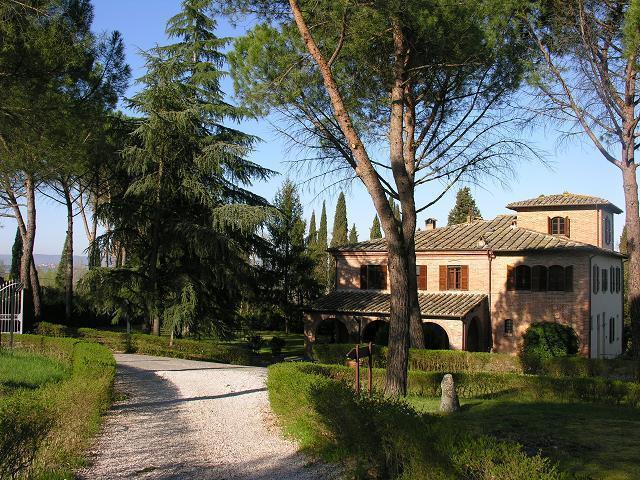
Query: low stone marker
<point x="449" y="400"/>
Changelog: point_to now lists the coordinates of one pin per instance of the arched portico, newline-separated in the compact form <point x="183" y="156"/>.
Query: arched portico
<point x="435" y="336"/>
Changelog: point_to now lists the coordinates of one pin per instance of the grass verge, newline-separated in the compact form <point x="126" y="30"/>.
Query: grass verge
<point x="381" y="438"/>
<point x="46" y="426"/>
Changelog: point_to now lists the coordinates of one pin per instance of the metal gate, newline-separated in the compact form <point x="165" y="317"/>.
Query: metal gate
<point x="11" y="307"/>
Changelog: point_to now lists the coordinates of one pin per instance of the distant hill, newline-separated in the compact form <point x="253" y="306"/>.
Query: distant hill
<point x="48" y="260"/>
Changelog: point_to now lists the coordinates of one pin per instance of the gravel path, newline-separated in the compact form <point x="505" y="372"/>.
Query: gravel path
<point x="183" y="419"/>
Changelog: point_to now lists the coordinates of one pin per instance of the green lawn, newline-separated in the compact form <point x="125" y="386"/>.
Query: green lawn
<point x="21" y="370"/>
<point x="594" y="441"/>
<point x="293" y="348"/>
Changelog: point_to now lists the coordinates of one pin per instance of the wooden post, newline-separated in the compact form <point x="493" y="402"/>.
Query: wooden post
<point x="370" y="368"/>
<point x="358" y="370"/>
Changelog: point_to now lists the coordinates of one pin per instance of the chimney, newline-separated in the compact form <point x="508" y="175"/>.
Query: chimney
<point x="430" y="223"/>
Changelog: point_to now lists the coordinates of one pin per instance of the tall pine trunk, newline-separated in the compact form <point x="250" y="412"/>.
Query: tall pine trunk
<point x="28" y="272"/>
<point x="68" y="273"/>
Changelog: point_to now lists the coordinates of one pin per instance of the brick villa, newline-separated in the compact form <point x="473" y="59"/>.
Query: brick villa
<point x="482" y="283"/>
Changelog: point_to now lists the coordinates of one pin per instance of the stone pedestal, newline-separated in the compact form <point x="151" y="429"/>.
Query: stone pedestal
<point x="449" y="401"/>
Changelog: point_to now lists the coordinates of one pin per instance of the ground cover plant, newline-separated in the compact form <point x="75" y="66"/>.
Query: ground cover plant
<point x="383" y="438"/>
<point x="587" y="426"/>
<point x="51" y="407"/>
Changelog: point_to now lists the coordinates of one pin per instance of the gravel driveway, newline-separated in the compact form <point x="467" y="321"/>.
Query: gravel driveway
<point x="183" y="419"/>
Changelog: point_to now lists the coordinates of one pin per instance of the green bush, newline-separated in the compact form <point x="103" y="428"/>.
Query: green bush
<point x="254" y="342"/>
<point x="59" y="418"/>
<point x="190" y="349"/>
<point x="52" y="329"/>
<point x="544" y="341"/>
<point x="427" y="360"/>
<point x="277" y="344"/>
<point x="382" y="438"/>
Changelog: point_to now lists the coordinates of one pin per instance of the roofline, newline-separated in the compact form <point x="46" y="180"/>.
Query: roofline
<point x="580" y="206"/>
<point x="584" y="248"/>
<point x="381" y="314"/>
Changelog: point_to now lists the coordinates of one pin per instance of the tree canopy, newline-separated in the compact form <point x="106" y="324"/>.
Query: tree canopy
<point x="465" y="208"/>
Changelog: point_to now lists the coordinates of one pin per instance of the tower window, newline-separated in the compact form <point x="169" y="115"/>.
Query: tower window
<point x="559" y="226"/>
<point x="607" y="231"/>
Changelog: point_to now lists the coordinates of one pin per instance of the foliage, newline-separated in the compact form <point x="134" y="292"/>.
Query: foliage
<point x="51" y="329"/>
<point x="340" y="236"/>
<point x="318" y="251"/>
<point x="277" y="344"/>
<point x="190" y="349"/>
<point x="547" y="340"/>
<point x="428" y="360"/>
<point x="16" y="256"/>
<point x="181" y="208"/>
<point x="375" y="231"/>
<point x="353" y="234"/>
<point x="464" y="208"/>
<point x="393" y="441"/>
<point x="56" y="421"/>
<point x="254" y="342"/>
<point x="289" y="262"/>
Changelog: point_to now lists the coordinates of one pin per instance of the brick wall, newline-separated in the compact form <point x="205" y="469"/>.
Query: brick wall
<point x="586" y="224"/>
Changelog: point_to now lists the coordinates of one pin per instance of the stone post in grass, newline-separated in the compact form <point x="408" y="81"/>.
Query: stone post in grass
<point x="449" y="400"/>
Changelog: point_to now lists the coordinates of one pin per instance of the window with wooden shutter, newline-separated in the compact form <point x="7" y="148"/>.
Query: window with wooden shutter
<point x="568" y="278"/>
<point x="605" y="280"/>
<point x="383" y="277"/>
<point x="422" y="277"/>
<point x="595" y="278"/>
<point x="556" y="278"/>
<point x="618" y="281"/>
<point x="567" y="227"/>
<point x="443" y="277"/>
<point x="558" y="226"/>
<point x="363" y="277"/>
<point x="464" y="279"/>
<point x="549" y="226"/>
<point x="511" y="277"/>
<point x="612" y="279"/>
<point x="539" y="278"/>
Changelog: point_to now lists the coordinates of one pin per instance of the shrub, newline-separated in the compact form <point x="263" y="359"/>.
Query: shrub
<point x="191" y="349"/>
<point x="51" y="329"/>
<point x="255" y="342"/>
<point x="546" y="340"/>
<point x="427" y="360"/>
<point x="383" y="438"/>
<point x="277" y="344"/>
<point x="58" y="418"/>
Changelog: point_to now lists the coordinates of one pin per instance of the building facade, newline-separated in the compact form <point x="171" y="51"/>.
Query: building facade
<point x="481" y="284"/>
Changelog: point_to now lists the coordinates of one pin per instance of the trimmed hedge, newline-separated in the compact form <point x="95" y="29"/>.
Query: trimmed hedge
<point x="498" y="385"/>
<point x="383" y="438"/>
<point x="428" y="360"/>
<point x="182" y="348"/>
<point x="45" y="432"/>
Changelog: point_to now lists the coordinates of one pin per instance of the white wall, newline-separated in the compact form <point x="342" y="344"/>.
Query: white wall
<point x="606" y="306"/>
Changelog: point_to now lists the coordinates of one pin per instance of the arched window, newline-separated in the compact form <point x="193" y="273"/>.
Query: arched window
<point x="559" y="226"/>
<point x="539" y="278"/>
<point x="523" y="277"/>
<point x="556" y="278"/>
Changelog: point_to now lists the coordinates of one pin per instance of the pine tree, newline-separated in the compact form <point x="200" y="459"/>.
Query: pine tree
<point x="464" y="208"/>
<point x="353" y="234"/>
<point x="376" y="231"/>
<point x="16" y="257"/>
<point x="313" y="233"/>
<point x="340" y="227"/>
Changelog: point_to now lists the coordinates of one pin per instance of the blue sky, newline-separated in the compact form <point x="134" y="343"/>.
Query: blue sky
<point x="574" y="167"/>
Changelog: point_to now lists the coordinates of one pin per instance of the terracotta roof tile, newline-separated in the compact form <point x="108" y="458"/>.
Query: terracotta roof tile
<point x="500" y="234"/>
<point x="446" y="305"/>
<point x="563" y="200"/>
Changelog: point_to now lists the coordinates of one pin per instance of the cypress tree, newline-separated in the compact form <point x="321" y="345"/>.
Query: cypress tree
<point x="323" y="231"/>
<point x="16" y="256"/>
<point x="313" y="233"/>
<point x="375" y="231"/>
<point x="353" y="234"/>
<point x="340" y="228"/>
<point x="61" y="272"/>
<point x="464" y="208"/>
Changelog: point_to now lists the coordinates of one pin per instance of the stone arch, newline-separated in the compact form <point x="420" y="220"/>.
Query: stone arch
<point x="474" y="341"/>
<point x="435" y="337"/>
<point x="332" y="330"/>
<point x="376" y="331"/>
